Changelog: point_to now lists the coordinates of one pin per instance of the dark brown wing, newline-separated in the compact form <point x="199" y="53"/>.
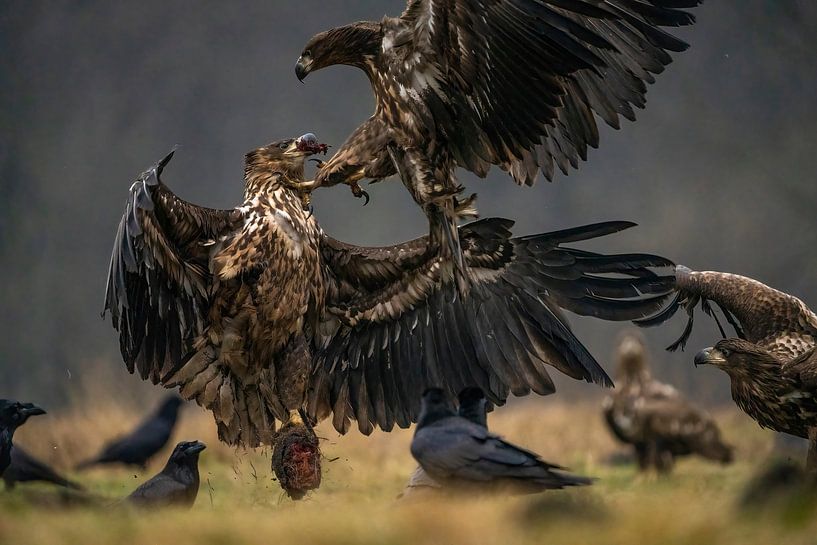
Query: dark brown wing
<point x="403" y="326"/>
<point x="159" y="278"/>
<point x="516" y="83"/>
<point x="804" y="369"/>
<point x="760" y="314"/>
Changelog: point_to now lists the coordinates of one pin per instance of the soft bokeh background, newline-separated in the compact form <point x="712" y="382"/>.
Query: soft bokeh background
<point x="719" y="170"/>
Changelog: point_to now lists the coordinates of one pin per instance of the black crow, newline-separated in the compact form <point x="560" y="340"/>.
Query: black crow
<point x="457" y="452"/>
<point x="26" y="468"/>
<point x="144" y="442"/>
<point x="177" y="484"/>
<point x="13" y="414"/>
<point x="474" y="407"/>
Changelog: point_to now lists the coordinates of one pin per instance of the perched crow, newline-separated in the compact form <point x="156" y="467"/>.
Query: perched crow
<point x="177" y="484"/>
<point x="472" y="405"/>
<point x="145" y="441"/>
<point x="655" y="418"/>
<point x="13" y="414"/>
<point x="26" y="468"/>
<point x="459" y="453"/>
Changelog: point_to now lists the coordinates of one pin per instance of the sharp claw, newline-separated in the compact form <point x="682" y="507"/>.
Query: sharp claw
<point x="365" y="195"/>
<point x="311" y="211"/>
<point x="318" y="162"/>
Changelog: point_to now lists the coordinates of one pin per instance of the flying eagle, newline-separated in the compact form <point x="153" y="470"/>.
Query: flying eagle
<point x="771" y="363"/>
<point x="260" y="316"/>
<point x="655" y="418"/>
<point x="475" y="83"/>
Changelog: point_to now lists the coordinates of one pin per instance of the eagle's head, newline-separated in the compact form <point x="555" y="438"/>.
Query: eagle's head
<point x="739" y="358"/>
<point x="632" y="356"/>
<point x="284" y="157"/>
<point x="351" y="45"/>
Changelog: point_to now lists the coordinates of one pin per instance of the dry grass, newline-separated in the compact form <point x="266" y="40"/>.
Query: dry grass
<point x="240" y="503"/>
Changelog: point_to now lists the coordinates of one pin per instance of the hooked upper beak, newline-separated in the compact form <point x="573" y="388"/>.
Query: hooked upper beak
<point x="30" y="409"/>
<point x="303" y="67"/>
<point x="709" y="356"/>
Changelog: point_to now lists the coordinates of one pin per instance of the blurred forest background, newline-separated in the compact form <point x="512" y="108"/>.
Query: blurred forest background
<point x="719" y="170"/>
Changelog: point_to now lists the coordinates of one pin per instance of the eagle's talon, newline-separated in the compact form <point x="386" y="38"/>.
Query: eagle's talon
<point x="359" y="192"/>
<point x="318" y="162"/>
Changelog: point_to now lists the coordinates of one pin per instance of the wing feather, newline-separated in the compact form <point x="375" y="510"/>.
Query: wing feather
<point x="500" y="336"/>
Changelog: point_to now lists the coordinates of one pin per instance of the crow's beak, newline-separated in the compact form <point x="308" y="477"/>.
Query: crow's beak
<point x="196" y="447"/>
<point x="302" y="68"/>
<point x="30" y="409"/>
<point x="709" y="356"/>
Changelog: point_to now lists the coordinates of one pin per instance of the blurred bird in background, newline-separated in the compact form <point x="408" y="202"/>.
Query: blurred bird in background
<point x="654" y="417"/>
<point x="25" y="468"/>
<point x="139" y="446"/>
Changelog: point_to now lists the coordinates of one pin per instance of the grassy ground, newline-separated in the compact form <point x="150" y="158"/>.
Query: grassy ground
<point x="240" y="503"/>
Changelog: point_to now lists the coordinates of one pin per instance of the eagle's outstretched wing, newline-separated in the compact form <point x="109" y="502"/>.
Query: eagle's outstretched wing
<point x="396" y="323"/>
<point x="516" y="83"/>
<point x="159" y="278"/>
<point x="760" y="314"/>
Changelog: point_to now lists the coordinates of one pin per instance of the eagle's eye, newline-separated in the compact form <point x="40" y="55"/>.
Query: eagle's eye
<point x="283" y="145"/>
<point x="307" y="53"/>
<point x="726" y="352"/>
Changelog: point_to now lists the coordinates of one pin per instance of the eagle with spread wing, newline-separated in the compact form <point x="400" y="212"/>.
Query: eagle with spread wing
<point x="476" y="83"/>
<point x="771" y="362"/>
<point x="655" y="418"/>
<point x="260" y="316"/>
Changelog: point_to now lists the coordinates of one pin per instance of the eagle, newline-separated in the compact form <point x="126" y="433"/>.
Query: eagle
<point x="771" y="361"/>
<point x="261" y="317"/>
<point x="476" y="83"/>
<point x="655" y="418"/>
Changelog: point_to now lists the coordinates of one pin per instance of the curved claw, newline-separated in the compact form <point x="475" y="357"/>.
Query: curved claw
<point x="359" y="192"/>
<point x="318" y="162"/>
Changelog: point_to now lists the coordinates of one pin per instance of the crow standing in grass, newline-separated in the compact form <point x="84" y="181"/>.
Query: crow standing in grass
<point x="473" y="83"/>
<point x="138" y="447"/>
<point x="13" y="414"/>
<point x="177" y="484"/>
<point x="655" y="418"/>
<point x="772" y="362"/>
<point x="459" y="453"/>
<point x="473" y="406"/>
<point x="26" y="468"/>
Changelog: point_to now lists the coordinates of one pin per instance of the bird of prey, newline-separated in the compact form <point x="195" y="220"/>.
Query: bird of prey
<point x="139" y="446"/>
<point x="177" y="484"/>
<point x="258" y="314"/>
<point x="26" y="468"/>
<point x="13" y="414"/>
<point x="476" y="83"/>
<point x="459" y="453"/>
<point x="473" y="406"/>
<point x="655" y="418"/>
<point x="771" y="362"/>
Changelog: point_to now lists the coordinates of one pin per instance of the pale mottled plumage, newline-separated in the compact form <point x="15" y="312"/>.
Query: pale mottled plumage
<point x="654" y="417"/>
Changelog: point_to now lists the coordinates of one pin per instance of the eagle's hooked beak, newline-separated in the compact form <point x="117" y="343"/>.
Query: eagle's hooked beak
<point x="303" y="67"/>
<point x="709" y="356"/>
